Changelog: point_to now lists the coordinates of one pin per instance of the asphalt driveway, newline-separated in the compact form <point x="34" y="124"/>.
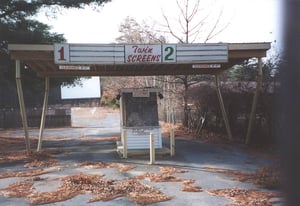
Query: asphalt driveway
<point x="84" y="144"/>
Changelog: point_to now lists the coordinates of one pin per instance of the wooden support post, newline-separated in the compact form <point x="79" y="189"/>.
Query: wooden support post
<point x="44" y="111"/>
<point x="152" y="149"/>
<point x="124" y="139"/>
<point x="254" y="102"/>
<point x="172" y="143"/>
<point x="22" y="105"/>
<point x="224" y="114"/>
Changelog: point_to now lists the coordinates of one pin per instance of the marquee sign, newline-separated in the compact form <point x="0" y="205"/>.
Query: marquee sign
<point x="139" y="54"/>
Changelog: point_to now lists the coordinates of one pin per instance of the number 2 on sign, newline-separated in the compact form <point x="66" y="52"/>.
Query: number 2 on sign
<point x="169" y="53"/>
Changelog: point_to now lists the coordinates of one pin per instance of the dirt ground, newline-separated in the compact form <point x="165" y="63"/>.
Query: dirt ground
<point x="80" y="166"/>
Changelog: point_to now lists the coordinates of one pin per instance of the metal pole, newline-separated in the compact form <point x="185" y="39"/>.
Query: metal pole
<point x="44" y="111"/>
<point x="22" y="105"/>
<point x="172" y="142"/>
<point x="152" y="149"/>
<point x="224" y="114"/>
<point x="254" y="102"/>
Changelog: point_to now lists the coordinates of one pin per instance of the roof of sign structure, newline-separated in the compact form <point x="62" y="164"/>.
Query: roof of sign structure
<point x="61" y="60"/>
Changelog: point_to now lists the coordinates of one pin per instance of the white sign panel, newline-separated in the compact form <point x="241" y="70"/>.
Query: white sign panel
<point x="89" y="88"/>
<point x="74" y="67"/>
<point x="141" y="93"/>
<point x="142" y="53"/>
<point x="108" y="54"/>
<point x="206" y="66"/>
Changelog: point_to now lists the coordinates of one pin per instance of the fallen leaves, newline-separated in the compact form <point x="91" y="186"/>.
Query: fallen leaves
<point x="30" y="173"/>
<point x="42" y="159"/>
<point x="121" y="167"/>
<point x="37" y="198"/>
<point x="18" y="189"/>
<point x="171" y="170"/>
<point x="166" y="175"/>
<point x="159" y="177"/>
<point x="238" y="175"/>
<point x="242" y="197"/>
<point x="9" y="143"/>
<point x="268" y="176"/>
<point x="13" y="156"/>
<point x="99" y="139"/>
<point x="184" y="132"/>
<point x="9" y="153"/>
<point x="109" y="189"/>
<point x="101" y="165"/>
<point x="133" y="189"/>
<point x="188" y="186"/>
<point x="102" y="190"/>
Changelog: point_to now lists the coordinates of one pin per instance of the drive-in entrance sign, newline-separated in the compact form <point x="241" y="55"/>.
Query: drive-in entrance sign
<point x="65" y="60"/>
<point x="140" y="53"/>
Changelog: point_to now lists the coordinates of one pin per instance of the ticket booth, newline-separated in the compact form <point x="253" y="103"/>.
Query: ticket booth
<point x="139" y="117"/>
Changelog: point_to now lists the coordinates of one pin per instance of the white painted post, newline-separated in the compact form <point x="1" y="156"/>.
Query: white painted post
<point x="22" y="105"/>
<point x="172" y="143"/>
<point x="224" y="114"/>
<point x="124" y="137"/>
<point x="43" y="118"/>
<point x="152" y="149"/>
<point x="254" y="102"/>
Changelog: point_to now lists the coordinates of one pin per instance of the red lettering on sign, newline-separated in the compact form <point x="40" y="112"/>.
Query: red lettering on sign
<point x="143" y="58"/>
<point x="61" y="53"/>
<point x="137" y="49"/>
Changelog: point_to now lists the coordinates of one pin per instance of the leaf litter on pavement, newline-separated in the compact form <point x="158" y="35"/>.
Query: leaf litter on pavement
<point x="108" y="189"/>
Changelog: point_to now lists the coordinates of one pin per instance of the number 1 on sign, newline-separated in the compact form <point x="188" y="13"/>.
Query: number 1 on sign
<point x="61" y="53"/>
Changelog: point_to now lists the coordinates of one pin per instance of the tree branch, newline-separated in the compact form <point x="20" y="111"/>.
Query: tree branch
<point x="211" y="33"/>
<point x="170" y="29"/>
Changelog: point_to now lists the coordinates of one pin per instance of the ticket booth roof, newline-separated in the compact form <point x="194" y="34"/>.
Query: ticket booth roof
<point x="40" y="58"/>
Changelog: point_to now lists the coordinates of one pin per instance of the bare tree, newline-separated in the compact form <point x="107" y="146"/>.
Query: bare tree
<point x="193" y="25"/>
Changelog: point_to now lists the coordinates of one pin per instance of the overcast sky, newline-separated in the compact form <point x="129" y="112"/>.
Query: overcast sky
<point x="249" y="20"/>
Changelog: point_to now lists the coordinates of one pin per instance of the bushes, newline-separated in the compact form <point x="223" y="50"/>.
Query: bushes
<point x="237" y="98"/>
